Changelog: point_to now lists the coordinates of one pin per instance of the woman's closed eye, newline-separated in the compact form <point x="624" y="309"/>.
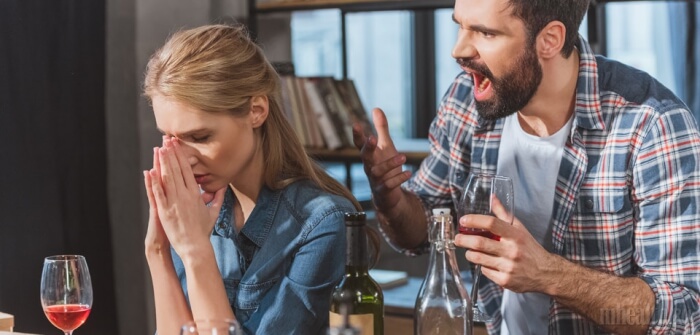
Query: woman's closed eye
<point x="200" y="138"/>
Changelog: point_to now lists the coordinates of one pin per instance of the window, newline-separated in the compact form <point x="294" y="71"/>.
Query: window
<point x="638" y="34"/>
<point x="378" y="60"/>
<point x="378" y="56"/>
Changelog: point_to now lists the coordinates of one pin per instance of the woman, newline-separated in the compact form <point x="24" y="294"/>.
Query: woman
<point x="266" y="245"/>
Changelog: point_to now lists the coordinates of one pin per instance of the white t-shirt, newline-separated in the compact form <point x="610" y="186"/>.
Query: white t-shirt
<point x="533" y="164"/>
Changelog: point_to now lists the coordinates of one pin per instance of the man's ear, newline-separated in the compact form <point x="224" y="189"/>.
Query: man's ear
<point x="259" y="110"/>
<point x="550" y="40"/>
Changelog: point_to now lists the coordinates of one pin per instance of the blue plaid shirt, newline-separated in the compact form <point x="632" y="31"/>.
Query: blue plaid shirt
<point x="627" y="195"/>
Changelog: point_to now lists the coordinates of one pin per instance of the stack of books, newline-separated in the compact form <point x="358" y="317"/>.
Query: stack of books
<point x="322" y="110"/>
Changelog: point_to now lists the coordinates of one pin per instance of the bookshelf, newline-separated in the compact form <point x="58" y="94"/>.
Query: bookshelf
<point x="415" y="149"/>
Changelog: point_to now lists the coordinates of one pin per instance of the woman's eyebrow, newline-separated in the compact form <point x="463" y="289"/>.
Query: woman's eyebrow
<point x="186" y="133"/>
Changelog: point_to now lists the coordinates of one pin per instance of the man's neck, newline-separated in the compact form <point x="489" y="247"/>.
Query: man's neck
<point x="553" y="103"/>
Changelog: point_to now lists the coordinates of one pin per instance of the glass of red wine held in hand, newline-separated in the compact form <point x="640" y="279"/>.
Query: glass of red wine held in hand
<point x="485" y="195"/>
<point x="66" y="291"/>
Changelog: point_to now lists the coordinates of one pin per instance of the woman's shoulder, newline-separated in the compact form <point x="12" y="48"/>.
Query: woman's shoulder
<point x="307" y="200"/>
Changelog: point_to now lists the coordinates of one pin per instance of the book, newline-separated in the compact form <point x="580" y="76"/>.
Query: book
<point x="330" y="135"/>
<point x="389" y="278"/>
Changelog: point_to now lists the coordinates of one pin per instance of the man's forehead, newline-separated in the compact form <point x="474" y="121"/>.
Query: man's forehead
<point x="496" y="7"/>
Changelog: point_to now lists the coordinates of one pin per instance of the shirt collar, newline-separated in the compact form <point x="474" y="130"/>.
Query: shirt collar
<point x="259" y="222"/>
<point x="588" y="110"/>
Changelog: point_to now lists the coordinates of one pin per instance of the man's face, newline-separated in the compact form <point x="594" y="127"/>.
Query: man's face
<point x="494" y="48"/>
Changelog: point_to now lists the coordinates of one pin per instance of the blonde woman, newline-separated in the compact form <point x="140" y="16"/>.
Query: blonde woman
<point x="264" y="242"/>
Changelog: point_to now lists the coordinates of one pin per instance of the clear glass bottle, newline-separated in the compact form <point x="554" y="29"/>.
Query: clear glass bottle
<point x="357" y="290"/>
<point x="442" y="306"/>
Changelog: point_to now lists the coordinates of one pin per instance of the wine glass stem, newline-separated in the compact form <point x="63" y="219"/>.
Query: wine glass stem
<point x="69" y="332"/>
<point x="475" y="287"/>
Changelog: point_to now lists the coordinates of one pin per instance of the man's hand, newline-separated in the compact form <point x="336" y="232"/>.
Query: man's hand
<point x="516" y="262"/>
<point x="382" y="162"/>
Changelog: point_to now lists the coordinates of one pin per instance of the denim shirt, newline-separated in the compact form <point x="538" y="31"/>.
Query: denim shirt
<point x="280" y="269"/>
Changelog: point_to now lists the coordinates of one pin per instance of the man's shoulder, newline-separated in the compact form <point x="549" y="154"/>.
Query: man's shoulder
<point x="635" y="86"/>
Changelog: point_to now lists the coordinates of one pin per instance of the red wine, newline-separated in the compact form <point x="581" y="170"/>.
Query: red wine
<point x="67" y="317"/>
<point x="480" y="232"/>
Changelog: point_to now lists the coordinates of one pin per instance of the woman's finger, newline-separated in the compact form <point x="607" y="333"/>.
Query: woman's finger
<point x="215" y="205"/>
<point x="157" y="189"/>
<point x="167" y="176"/>
<point x="187" y="174"/>
<point x="149" y="189"/>
<point x="174" y="164"/>
<point x="156" y="161"/>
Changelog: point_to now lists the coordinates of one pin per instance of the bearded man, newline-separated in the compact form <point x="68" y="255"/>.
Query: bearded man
<point x="604" y="162"/>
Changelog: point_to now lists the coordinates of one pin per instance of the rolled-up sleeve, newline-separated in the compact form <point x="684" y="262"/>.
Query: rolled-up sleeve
<point x="667" y="232"/>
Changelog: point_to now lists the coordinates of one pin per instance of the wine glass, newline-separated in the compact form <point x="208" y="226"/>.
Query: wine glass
<point x="211" y="327"/>
<point x="66" y="291"/>
<point x="482" y="194"/>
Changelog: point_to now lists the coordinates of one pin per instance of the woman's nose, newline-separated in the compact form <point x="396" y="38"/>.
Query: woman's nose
<point x="192" y="160"/>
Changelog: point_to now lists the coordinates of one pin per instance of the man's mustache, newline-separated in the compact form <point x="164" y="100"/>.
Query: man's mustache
<point x="470" y="63"/>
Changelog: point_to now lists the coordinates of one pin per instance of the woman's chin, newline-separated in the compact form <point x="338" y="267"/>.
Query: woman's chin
<point x="212" y="187"/>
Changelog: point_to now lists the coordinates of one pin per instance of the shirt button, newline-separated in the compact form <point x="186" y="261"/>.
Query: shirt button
<point x="221" y="225"/>
<point x="589" y="204"/>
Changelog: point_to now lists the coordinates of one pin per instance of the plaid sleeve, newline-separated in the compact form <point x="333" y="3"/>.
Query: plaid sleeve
<point x="430" y="184"/>
<point x="667" y="234"/>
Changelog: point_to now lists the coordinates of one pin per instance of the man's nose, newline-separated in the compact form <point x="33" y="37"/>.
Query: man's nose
<point x="464" y="48"/>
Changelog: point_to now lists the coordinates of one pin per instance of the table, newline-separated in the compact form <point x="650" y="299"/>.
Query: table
<point x="7" y="321"/>
<point x="400" y="301"/>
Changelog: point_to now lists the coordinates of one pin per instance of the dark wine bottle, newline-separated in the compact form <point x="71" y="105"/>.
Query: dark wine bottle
<point x="357" y="290"/>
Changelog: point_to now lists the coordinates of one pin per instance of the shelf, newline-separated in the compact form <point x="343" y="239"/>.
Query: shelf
<point x="415" y="150"/>
<point x="351" y="5"/>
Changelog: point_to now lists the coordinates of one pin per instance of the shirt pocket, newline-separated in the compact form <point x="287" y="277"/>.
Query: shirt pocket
<point x="600" y="235"/>
<point x="249" y="296"/>
<point x="603" y="200"/>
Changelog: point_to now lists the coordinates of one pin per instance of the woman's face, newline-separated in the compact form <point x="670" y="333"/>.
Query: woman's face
<point x="219" y="147"/>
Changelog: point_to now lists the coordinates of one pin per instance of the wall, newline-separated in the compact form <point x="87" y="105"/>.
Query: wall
<point x="52" y="149"/>
<point x="135" y="28"/>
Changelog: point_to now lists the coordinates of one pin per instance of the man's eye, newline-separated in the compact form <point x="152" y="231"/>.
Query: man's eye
<point x="200" y="139"/>
<point x="487" y="34"/>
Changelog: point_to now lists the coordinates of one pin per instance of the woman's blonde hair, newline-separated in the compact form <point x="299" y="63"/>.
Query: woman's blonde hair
<point x="218" y="68"/>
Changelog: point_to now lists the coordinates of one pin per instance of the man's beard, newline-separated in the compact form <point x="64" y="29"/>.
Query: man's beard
<point x="513" y="90"/>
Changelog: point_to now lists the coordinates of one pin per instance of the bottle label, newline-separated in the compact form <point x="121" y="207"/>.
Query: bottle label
<point x="363" y="322"/>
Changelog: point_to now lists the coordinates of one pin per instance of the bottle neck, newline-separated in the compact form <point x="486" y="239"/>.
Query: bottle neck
<point x="440" y="232"/>
<point x="442" y="247"/>
<point x="356" y="253"/>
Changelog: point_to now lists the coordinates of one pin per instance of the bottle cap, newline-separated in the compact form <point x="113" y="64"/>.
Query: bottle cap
<point x="355" y="216"/>
<point x="441" y="211"/>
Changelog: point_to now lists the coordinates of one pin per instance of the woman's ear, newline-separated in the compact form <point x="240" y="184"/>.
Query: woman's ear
<point x="551" y="39"/>
<point x="259" y="110"/>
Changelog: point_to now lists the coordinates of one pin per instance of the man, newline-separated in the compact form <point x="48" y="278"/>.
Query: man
<point x="604" y="161"/>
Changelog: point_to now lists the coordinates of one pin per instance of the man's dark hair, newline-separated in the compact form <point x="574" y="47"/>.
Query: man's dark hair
<point x="538" y="13"/>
